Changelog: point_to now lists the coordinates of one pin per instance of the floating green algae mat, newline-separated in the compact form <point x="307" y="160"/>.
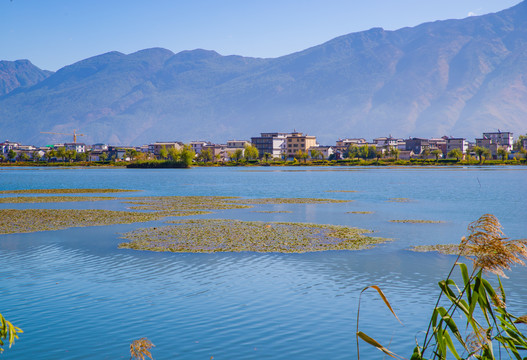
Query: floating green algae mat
<point x="14" y="221"/>
<point x="446" y="249"/>
<point x="276" y="201"/>
<point x="64" y="191"/>
<point x="206" y="236"/>
<point x="410" y="221"/>
<point x="359" y="212"/>
<point x="51" y="199"/>
<point x="176" y="203"/>
<point x="402" y="200"/>
<point x="341" y="191"/>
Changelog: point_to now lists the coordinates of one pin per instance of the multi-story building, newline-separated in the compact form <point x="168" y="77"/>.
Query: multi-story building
<point x="271" y="143"/>
<point x="198" y="145"/>
<point x="8" y="145"/>
<point x="502" y="139"/>
<point x="438" y="144"/>
<point x="296" y="142"/>
<point x="417" y="145"/>
<point x="237" y="144"/>
<point x="384" y="144"/>
<point x="77" y="147"/>
<point x="456" y="143"/>
<point x="156" y="147"/>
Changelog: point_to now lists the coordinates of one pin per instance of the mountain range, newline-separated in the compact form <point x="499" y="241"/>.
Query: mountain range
<point x="453" y="77"/>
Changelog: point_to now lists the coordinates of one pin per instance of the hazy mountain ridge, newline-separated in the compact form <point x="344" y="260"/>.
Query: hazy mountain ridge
<point x="19" y="73"/>
<point x="454" y="77"/>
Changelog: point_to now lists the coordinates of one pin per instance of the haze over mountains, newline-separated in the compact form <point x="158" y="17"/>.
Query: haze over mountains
<point x="454" y="77"/>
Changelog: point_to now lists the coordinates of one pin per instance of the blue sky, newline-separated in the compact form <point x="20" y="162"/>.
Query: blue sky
<point x="55" y="33"/>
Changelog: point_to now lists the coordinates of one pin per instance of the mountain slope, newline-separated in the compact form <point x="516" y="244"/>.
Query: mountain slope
<point x="20" y="73"/>
<point x="454" y="77"/>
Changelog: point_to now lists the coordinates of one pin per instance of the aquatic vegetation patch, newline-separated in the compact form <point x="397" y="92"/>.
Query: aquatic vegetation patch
<point x="359" y="212"/>
<point x="276" y="201"/>
<point x="207" y="235"/>
<point x="179" y="203"/>
<point x="446" y="249"/>
<point x="51" y="199"/>
<point x="14" y="221"/>
<point x="273" y="211"/>
<point x="341" y="191"/>
<point x="64" y="191"/>
<point x="401" y="200"/>
<point x="413" y="221"/>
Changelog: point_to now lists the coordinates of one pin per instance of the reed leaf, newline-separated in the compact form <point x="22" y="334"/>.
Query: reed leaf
<point x="373" y="342"/>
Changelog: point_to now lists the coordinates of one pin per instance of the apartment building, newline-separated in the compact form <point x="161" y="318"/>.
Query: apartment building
<point x="299" y="142"/>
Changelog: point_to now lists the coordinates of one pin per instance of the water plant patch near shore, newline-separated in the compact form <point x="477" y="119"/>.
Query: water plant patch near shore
<point x="445" y="249"/>
<point x="65" y="191"/>
<point x="276" y="201"/>
<point x="178" y="203"/>
<point x="341" y="191"/>
<point x="51" y="199"/>
<point x="13" y="221"/>
<point x="414" y="221"/>
<point x="206" y="236"/>
<point x="273" y="211"/>
<point x="359" y="212"/>
<point x="400" y="200"/>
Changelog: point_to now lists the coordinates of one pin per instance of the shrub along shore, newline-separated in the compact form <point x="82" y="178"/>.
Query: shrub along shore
<point x="159" y="164"/>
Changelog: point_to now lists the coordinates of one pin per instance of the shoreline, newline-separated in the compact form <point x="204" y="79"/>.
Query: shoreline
<point x="254" y="163"/>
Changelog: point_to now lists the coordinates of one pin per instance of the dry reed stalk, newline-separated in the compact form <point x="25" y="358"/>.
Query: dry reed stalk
<point x="140" y="348"/>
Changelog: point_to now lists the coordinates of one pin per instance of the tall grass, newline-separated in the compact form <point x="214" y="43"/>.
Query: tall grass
<point x="493" y="331"/>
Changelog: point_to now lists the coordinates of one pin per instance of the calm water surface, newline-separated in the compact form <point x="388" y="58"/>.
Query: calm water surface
<point x="77" y="296"/>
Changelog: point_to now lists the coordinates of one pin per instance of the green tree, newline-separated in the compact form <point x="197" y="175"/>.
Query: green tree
<point x="35" y="155"/>
<point x="81" y="156"/>
<point x="2" y="158"/>
<point x="250" y="152"/>
<point x="518" y="144"/>
<point x="266" y="156"/>
<point x="61" y="153"/>
<point x="187" y="155"/>
<point x="163" y="153"/>
<point x="71" y="154"/>
<point x="205" y="155"/>
<point x="50" y="154"/>
<point x="479" y="151"/>
<point x="11" y="155"/>
<point x="425" y="153"/>
<point x="503" y="153"/>
<point x="174" y="154"/>
<point x="103" y="156"/>
<point x="315" y="154"/>
<point x="132" y="154"/>
<point x="455" y="153"/>
<point x="378" y="155"/>
<point x="395" y="152"/>
<point x="24" y="157"/>
<point x="437" y="153"/>
<point x="237" y="155"/>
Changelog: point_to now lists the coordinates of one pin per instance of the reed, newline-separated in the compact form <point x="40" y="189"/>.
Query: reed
<point x="493" y="329"/>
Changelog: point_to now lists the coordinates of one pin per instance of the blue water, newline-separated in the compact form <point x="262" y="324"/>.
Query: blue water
<point x="77" y="296"/>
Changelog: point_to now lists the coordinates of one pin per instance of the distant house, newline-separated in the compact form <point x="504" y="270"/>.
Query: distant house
<point x="325" y="151"/>
<point x="77" y="147"/>
<point x="438" y="144"/>
<point x="197" y="145"/>
<point x="502" y="139"/>
<point x="384" y="144"/>
<point x="273" y="143"/>
<point x="417" y="145"/>
<point x="524" y="143"/>
<point x="456" y="143"/>
<point x="7" y="145"/>
<point x="406" y="154"/>
<point x="101" y="147"/>
<point x="156" y="147"/>
<point x="299" y="142"/>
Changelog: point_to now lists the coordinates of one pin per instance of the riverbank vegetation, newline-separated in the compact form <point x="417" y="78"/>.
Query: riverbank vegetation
<point x="491" y="331"/>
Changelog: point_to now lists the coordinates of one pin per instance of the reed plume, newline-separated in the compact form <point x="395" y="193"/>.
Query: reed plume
<point x="141" y="348"/>
<point x="488" y="247"/>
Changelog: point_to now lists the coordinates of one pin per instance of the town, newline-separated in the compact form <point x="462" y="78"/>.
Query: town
<point x="277" y="146"/>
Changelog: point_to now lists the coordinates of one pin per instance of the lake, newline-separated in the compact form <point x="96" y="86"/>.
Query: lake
<point x="77" y="296"/>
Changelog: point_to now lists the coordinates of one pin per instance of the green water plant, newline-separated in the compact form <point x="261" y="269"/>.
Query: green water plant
<point x="416" y="221"/>
<point x="210" y="235"/>
<point x="493" y="332"/>
<point x="8" y="332"/>
<point x="51" y="199"/>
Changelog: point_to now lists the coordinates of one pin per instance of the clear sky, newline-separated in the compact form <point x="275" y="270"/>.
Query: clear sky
<point x="55" y="33"/>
